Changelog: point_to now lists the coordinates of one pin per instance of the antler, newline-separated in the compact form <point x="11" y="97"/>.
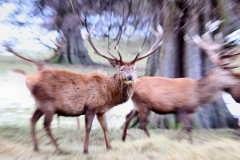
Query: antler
<point x="154" y="47"/>
<point x="215" y="51"/>
<point x="113" y="58"/>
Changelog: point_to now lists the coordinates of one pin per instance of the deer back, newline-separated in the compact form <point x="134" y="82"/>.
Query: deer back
<point x="68" y="90"/>
<point x="165" y="95"/>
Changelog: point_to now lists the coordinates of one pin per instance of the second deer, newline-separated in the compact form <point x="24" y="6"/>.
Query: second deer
<point x="182" y="96"/>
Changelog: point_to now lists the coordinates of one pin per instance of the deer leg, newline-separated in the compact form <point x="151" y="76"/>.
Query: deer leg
<point x="47" y="123"/>
<point x="189" y="128"/>
<point x="143" y="122"/>
<point x="102" y="121"/>
<point x="78" y="123"/>
<point x="129" y="117"/>
<point x="185" y="119"/>
<point x="36" y="115"/>
<point x="88" y="125"/>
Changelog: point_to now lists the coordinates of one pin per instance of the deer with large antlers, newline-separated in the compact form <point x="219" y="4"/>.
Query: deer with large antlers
<point x="219" y="54"/>
<point x="181" y="96"/>
<point x="70" y="94"/>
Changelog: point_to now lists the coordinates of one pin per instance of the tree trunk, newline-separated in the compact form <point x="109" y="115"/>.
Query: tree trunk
<point x="75" y="51"/>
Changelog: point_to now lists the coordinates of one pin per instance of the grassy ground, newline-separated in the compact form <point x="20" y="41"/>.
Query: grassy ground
<point x="208" y="144"/>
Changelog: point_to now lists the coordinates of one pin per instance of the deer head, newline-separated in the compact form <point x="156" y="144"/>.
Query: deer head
<point x="220" y="55"/>
<point x="127" y="70"/>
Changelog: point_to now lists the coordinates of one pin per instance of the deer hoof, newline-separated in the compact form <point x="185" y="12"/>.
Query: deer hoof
<point x="59" y="151"/>
<point x="36" y="149"/>
<point x="123" y="138"/>
<point x="85" y="151"/>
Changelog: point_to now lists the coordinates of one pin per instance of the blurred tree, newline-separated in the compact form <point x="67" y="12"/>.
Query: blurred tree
<point x="177" y="58"/>
<point x="110" y="19"/>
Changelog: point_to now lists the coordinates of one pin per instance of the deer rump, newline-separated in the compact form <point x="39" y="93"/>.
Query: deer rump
<point x="68" y="93"/>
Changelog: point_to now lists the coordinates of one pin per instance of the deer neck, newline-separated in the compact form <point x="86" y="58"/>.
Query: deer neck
<point x="120" y="91"/>
<point x="208" y="90"/>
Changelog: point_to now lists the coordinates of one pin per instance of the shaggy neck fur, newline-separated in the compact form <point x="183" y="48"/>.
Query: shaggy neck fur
<point x="120" y="91"/>
<point x="235" y="91"/>
<point x="207" y="89"/>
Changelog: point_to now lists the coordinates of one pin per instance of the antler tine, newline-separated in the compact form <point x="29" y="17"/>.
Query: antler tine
<point x="214" y="50"/>
<point x="111" y="55"/>
<point x="98" y="51"/>
<point x="207" y="38"/>
<point x="206" y="42"/>
<point x="188" y="39"/>
<point x="196" y="39"/>
<point x="118" y="53"/>
<point x="200" y="42"/>
<point x="155" y="46"/>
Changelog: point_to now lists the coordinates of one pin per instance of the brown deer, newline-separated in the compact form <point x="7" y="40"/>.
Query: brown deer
<point x="219" y="53"/>
<point x="70" y="94"/>
<point x="181" y="96"/>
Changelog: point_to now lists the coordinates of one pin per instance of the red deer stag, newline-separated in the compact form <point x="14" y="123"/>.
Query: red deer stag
<point x="70" y="94"/>
<point x="220" y="53"/>
<point x="181" y="96"/>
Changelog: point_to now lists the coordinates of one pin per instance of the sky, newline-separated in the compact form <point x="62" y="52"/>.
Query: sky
<point x="25" y="35"/>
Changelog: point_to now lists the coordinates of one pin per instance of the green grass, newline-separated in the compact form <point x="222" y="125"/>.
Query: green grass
<point x="208" y="144"/>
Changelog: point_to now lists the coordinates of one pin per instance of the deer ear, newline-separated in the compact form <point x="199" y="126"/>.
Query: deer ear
<point x="114" y="63"/>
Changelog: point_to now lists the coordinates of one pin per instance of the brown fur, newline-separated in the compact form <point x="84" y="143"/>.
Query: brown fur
<point x="181" y="96"/>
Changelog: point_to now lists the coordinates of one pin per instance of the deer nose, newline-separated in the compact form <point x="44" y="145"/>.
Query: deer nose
<point x="130" y="78"/>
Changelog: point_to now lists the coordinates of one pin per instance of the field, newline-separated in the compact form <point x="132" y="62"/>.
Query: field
<point x="208" y="144"/>
<point x="16" y="107"/>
